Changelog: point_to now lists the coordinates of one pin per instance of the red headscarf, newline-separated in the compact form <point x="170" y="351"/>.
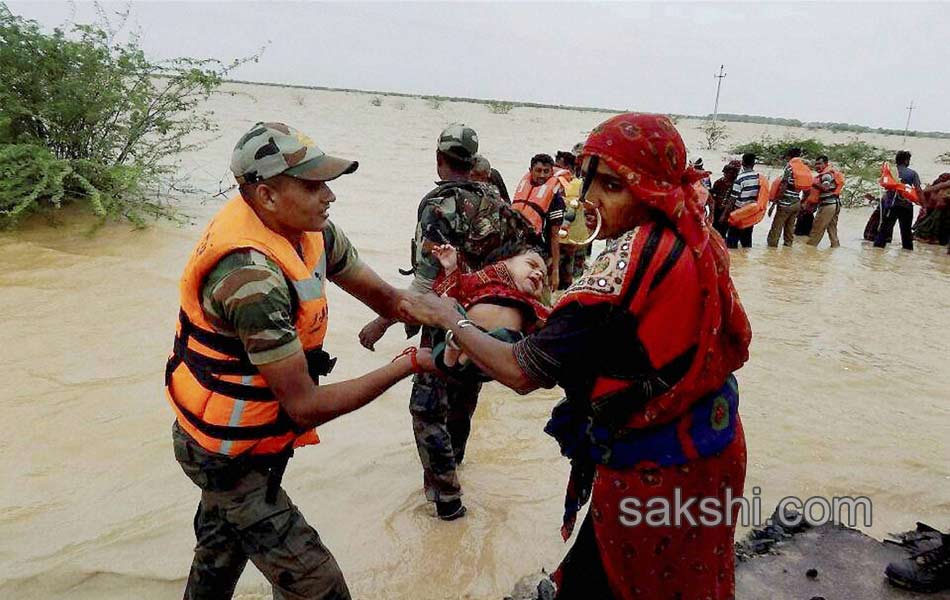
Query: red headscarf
<point x="649" y="155"/>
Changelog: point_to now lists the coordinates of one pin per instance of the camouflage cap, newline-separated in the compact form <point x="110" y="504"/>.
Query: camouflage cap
<point x="459" y="141"/>
<point x="270" y="149"/>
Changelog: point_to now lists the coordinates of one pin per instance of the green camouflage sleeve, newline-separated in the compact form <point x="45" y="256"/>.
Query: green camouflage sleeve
<point x="436" y="222"/>
<point x="246" y="296"/>
<point x="342" y="256"/>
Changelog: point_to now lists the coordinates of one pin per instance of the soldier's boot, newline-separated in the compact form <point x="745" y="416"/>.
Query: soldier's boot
<point x="925" y="571"/>
<point x="450" y="510"/>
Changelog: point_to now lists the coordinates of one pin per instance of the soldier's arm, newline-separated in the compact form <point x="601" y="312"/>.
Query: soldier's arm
<point x="364" y="284"/>
<point x="310" y="405"/>
<point x="358" y="279"/>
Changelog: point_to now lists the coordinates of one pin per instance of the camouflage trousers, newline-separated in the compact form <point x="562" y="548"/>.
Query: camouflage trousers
<point x="235" y="523"/>
<point x="572" y="264"/>
<point x="441" y="421"/>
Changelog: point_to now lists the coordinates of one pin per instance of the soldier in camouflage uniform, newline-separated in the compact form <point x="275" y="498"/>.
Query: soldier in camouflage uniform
<point x="473" y="218"/>
<point x="243" y="513"/>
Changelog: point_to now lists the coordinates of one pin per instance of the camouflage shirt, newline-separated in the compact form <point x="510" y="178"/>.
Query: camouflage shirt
<point x="473" y="218"/>
<point x="247" y="296"/>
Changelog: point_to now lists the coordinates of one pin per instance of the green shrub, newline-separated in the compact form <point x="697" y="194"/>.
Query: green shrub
<point x="376" y="101"/>
<point x="859" y="161"/>
<point x="500" y="107"/>
<point x="944" y="158"/>
<point x="85" y="118"/>
<point x="715" y="133"/>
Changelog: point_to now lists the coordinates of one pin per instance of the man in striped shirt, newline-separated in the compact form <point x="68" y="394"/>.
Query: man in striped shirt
<point x="789" y="203"/>
<point x="745" y="191"/>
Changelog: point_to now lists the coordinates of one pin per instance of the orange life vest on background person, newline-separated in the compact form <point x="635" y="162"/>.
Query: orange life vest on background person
<point x="533" y="202"/>
<point x="563" y="176"/>
<point x="773" y="189"/>
<point x="752" y="214"/>
<point x="220" y="398"/>
<point x="814" y="194"/>
<point x="802" y="174"/>
<point x="889" y="183"/>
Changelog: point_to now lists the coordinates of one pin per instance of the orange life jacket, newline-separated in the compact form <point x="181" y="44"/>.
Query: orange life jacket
<point x="802" y="174"/>
<point x="814" y="194"/>
<point x="890" y="184"/>
<point x="752" y="214"/>
<point x="533" y="202"/>
<point x="220" y="398"/>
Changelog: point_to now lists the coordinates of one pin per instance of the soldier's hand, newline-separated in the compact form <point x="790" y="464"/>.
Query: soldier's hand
<point x="373" y="331"/>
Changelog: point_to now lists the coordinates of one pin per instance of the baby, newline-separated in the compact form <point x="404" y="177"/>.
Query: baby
<point x="503" y="298"/>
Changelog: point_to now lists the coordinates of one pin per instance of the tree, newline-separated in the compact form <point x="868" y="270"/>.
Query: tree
<point x="86" y="118"/>
<point x="715" y="133"/>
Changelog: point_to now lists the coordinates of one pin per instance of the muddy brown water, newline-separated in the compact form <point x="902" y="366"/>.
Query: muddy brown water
<point x="845" y="393"/>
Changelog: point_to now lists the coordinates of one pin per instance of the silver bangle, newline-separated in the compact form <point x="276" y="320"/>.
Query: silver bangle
<point x="450" y="340"/>
<point x="463" y="323"/>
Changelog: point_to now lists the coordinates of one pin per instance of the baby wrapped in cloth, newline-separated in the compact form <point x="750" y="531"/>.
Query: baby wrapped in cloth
<point x="503" y="299"/>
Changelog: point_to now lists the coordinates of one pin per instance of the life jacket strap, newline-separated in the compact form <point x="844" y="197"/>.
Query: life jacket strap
<point x="207" y="370"/>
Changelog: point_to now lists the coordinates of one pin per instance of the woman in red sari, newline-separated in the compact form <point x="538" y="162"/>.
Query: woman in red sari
<point x="644" y="345"/>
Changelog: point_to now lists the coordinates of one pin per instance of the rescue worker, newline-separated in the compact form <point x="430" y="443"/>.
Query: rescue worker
<point x="481" y="172"/>
<point x="745" y="191"/>
<point x="788" y="200"/>
<point x="248" y="354"/>
<point x="573" y="256"/>
<point x="484" y="229"/>
<point x="485" y="173"/>
<point x="896" y="208"/>
<point x="540" y="199"/>
<point x="720" y="195"/>
<point x="829" y="184"/>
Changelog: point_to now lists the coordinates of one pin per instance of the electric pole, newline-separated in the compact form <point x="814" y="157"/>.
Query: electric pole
<point x="720" y="77"/>
<point x="910" y="109"/>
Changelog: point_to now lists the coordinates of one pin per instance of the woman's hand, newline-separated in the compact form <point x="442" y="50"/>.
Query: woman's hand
<point x="429" y="309"/>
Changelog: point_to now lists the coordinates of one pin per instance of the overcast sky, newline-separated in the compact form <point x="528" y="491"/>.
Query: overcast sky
<point x="854" y="62"/>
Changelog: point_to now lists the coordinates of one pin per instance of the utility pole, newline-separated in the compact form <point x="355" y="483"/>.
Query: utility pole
<point x="910" y="109"/>
<point x="720" y="77"/>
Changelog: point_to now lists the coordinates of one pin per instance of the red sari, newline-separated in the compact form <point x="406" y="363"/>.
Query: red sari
<point x="654" y="330"/>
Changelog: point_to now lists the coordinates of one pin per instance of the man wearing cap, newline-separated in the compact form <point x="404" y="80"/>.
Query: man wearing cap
<point x="242" y="377"/>
<point x="484" y="229"/>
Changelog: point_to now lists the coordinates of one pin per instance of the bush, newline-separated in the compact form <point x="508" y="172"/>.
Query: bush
<point x="944" y="158"/>
<point x="434" y="103"/>
<point x="84" y="118"/>
<point x="376" y="101"/>
<point x="715" y="133"/>
<point x="499" y="107"/>
<point x="859" y="161"/>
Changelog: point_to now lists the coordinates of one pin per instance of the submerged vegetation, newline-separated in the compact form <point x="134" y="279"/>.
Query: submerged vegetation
<point x="830" y="126"/>
<point x="86" y="118"/>
<point x="714" y="132"/>
<point x="859" y="161"/>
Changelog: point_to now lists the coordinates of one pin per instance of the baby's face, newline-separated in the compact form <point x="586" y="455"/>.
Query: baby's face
<point x="528" y="272"/>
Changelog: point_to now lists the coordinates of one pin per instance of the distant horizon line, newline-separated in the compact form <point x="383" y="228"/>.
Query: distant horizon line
<point x="729" y="117"/>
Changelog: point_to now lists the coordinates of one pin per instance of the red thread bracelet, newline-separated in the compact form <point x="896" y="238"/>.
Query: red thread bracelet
<point x="411" y="353"/>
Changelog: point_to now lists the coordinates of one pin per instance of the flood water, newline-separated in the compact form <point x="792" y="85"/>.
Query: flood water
<point x="845" y="392"/>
